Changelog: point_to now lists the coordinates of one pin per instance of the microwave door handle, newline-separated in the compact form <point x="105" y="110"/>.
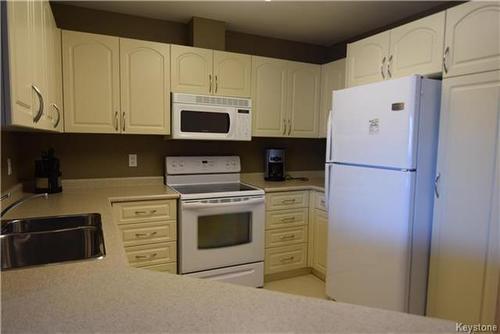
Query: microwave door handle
<point x="198" y="205"/>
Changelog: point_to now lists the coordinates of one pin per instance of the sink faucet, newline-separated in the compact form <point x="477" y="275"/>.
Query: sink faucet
<point x="20" y="201"/>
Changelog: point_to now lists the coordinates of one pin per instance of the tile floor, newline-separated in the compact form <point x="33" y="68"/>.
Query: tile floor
<point x="307" y="285"/>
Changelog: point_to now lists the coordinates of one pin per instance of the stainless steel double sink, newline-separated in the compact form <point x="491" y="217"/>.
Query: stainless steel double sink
<point x="44" y="240"/>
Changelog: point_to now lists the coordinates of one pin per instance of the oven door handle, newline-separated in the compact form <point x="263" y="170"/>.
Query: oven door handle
<point x="199" y="205"/>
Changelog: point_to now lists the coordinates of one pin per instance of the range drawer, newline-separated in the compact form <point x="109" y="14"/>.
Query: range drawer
<point x="285" y="258"/>
<point x="286" y="236"/>
<point x="143" y="211"/>
<point x="165" y="267"/>
<point x="320" y="201"/>
<point x="146" y="233"/>
<point x="287" y="200"/>
<point x="286" y="218"/>
<point x="144" y="255"/>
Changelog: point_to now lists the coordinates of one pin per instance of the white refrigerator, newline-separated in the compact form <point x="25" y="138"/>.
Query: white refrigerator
<point x="379" y="175"/>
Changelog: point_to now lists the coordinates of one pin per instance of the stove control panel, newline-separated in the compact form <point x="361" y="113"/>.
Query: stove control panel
<point x="202" y="165"/>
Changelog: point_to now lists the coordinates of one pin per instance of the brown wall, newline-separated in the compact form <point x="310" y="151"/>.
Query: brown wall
<point x="97" y="156"/>
<point x="122" y="25"/>
<point x="10" y="149"/>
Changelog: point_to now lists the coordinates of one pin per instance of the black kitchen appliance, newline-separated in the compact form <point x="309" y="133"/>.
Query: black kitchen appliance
<point x="47" y="174"/>
<point x="275" y="165"/>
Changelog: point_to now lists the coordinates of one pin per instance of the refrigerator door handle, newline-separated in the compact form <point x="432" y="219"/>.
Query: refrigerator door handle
<point x="329" y="137"/>
<point x="327" y="185"/>
<point x="436" y="184"/>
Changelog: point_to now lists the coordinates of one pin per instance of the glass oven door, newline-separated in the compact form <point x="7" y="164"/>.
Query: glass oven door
<point x="221" y="232"/>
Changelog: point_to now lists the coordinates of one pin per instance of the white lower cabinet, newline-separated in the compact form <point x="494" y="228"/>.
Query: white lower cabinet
<point x="319" y="241"/>
<point x="286" y="231"/>
<point x="149" y="233"/>
<point x="464" y="265"/>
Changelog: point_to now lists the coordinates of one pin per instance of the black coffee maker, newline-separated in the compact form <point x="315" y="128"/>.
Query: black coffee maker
<point x="47" y="174"/>
<point x="275" y="165"/>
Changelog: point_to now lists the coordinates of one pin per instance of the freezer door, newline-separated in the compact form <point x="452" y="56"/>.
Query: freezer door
<point x="369" y="230"/>
<point x="376" y="124"/>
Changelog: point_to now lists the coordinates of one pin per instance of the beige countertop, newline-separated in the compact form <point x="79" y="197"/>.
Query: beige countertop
<point x="315" y="181"/>
<point x="109" y="296"/>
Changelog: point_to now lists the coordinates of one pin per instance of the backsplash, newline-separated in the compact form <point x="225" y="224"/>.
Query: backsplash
<point x="98" y="156"/>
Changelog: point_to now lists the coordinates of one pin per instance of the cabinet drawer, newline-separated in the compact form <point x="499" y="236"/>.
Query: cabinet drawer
<point x="165" y="267"/>
<point x="287" y="200"/>
<point x="285" y="258"/>
<point x="286" y="236"/>
<point x="320" y="201"/>
<point x="131" y="212"/>
<point x="286" y="218"/>
<point x="139" y="256"/>
<point x="146" y="233"/>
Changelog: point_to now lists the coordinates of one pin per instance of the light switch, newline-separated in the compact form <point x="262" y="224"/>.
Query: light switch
<point x="132" y="160"/>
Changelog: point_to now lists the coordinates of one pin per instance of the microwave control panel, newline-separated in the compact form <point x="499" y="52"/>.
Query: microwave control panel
<point x="243" y="124"/>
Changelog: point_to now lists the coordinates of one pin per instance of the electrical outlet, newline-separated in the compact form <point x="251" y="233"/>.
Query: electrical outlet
<point x="132" y="160"/>
<point x="9" y="166"/>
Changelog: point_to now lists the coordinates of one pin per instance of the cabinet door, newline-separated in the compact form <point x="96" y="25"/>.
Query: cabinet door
<point x="53" y="103"/>
<point x="417" y="47"/>
<point x="145" y="86"/>
<point x="191" y="70"/>
<point x="269" y="93"/>
<point x="20" y="110"/>
<point x="303" y="99"/>
<point x="320" y="239"/>
<point x="91" y="82"/>
<point x="332" y="78"/>
<point x="232" y="73"/>
<point x="463" y="276"/>
<point x="40" y="16"/>
<point x="472" y="41"/>
<point x="367" y="59"/>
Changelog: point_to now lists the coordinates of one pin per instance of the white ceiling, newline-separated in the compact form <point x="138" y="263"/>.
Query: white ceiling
<point x="317" y="22"/>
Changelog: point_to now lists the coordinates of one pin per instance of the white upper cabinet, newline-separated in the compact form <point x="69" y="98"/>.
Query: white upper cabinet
<point x="464" y="271"/>
<point x="269" y="96"/>
<point x="332" y="78"/>
<point x="367" y="59"/>
<point x="209" y="72"/>
<point x="91" y="83"/>
<point x="145" y="87"/>
<point x="54" y="100"/>
<point x="191" y="70"/>
<point x="472" y="43"/>
<point x="232" y="74"/>
<point x="20" y="53"/>
<point x="303" y="99"/>
<point x="33" y="83"/>
<point x="417" y="47"/>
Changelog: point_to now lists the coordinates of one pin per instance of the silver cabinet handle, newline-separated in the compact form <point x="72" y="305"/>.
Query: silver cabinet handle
<point x="287" y="219"/>
<point x="141" y="212"/>
<point x="284" y="126"/>
<point x="445" y="59"/>
<point x="288" y="201"/>
<point x="287" y="237"/>
<point x="40" y="108"/>
<point x="436" y="184"/>
<point x="289" y="126"/>
<point x="123" y="122"/>
<point x="145" y="235"/>
<point x="382" y="68"/>
<point x="209" y="83"/>
<point x="287" y="259"/>
<point x="146" y="257"/>
<point x="116" y="120"/>
<point x="389" y="64"/>
<point x="58" y="115"/>
<point x="216" y="83"/>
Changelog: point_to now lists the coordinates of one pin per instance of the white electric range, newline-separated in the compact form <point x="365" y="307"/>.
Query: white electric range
<point x="221" y="220"/>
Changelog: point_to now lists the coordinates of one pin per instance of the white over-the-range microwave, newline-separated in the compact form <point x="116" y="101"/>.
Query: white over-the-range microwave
<point x="206" y="117"/>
